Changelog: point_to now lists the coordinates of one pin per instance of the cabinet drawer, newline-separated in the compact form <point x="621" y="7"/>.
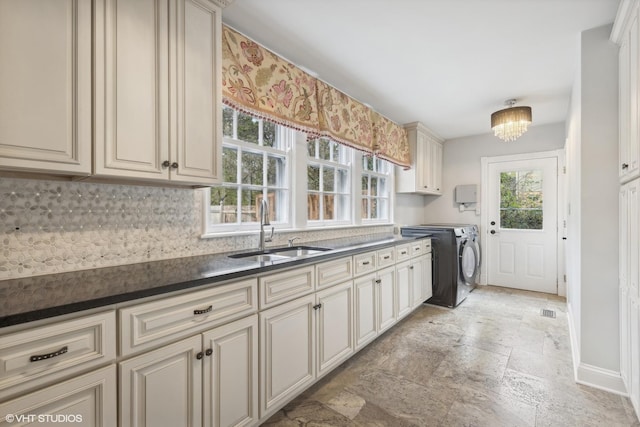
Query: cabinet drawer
<point x="332" y="272"/>
<point x="51" y="352"/>
<point x="281" y="287"/>
<point x="364" y="263"/>
<point x="416" y="249"/>
<point x="147" y="325"/>
<point x="426" y="246"/>
<point x="403" y="252"/>
<point x="386" y="257"/>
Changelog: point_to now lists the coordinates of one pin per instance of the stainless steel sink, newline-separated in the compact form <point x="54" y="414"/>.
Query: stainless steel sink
<point x="277" y="254"/>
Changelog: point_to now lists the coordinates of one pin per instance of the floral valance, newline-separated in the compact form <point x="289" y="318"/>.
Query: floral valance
<point x="259" y="82"/>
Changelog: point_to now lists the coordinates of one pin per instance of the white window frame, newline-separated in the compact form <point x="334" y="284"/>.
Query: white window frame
<point x="347" y="166"/>
<point x="390" y="185"/>
<point x="286" y="138"/>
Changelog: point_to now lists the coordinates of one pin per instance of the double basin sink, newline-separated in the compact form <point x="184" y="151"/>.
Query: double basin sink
<point x="278" y="254"/>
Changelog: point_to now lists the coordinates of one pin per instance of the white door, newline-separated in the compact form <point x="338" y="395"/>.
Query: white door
<point x="231" y="374"/>
<point x="522" y="224"/>
<point x="334" y="326"/>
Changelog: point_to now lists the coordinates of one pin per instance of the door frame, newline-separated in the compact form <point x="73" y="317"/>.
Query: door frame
<point x="559" y="155"/>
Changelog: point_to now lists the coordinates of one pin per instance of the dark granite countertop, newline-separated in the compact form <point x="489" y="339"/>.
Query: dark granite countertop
<point x="40" y="297"/>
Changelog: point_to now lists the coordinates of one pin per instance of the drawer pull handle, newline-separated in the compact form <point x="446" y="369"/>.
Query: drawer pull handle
<point x="366" y="262"/>
<point x="206" y="310"/>
<point x="209" y="352"/>
<point x="403" y="253"/>
<point x="416" y="249"/>
<point x="39" y="357"/>
<point x="317" y="306"/>
<point x="385" y="257"/>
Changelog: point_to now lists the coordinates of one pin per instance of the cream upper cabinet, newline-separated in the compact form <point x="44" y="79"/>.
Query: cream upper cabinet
<point x="626" y="34"/>
<point x="45" y="86"/>
<point x="158" y="90"/>
<point x="425" y="175"/>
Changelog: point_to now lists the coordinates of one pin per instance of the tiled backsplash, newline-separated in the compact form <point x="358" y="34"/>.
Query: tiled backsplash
<point x="58" y="226"/>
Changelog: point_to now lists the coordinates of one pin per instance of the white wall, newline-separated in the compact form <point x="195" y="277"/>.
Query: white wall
<point x="593" y="222"/>
<point x="461" y="165"/>
<point x="409" y="209"/>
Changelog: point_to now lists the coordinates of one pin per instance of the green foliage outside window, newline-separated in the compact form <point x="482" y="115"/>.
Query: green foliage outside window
<point x="521" y="200"/>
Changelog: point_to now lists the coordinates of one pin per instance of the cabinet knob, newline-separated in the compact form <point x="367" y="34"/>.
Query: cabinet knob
<point x="166" y="164"/>
<point x="209" y="352"/>
<point x="199" y="355"/>
<point x="174" y="165"/>
<point x="378" y="281"/>
<point x="411" y="267"/>
<point x="625" y="165"/>
<point x="317" y="306"/>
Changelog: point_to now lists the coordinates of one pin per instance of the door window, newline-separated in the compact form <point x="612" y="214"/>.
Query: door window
<point x="521" y="199"/>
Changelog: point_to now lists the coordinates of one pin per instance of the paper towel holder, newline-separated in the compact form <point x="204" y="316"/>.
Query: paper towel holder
<point x="465" y="195"/>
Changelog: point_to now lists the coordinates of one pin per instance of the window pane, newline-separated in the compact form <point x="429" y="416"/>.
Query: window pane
<point x="367" y="163"/>
<point x="313" y="207"/>
<point x="365" y="185"/>
<point x="329" y="206"/>
<point x="313" y="178"/>
<point x="343" y="210"/>
<point x="382" y="187"/>
<point x="382" y="208"/>
<point x="223" y="205"/>
<point x="311" y="149"/>
<point x="248" y="128"/>
<point x="374" y="186"/>
<point x="325" y="149"/>
<point x="275" y="171"/>
<point x="365" y="209"/>
<point x="227" y="122"/>
<point x="230" y="165"/>
<point x="374" y="208"/>
<point x="521" y="200"/>
<point x="342" y="181"/>
<point x="269" y="134"/>
<point x="328" y="176"/>
<point x="252" y="168"/>
<point x="277" y="200"/>
<point x="250" y="205"/>
<point x="336" y="149"/>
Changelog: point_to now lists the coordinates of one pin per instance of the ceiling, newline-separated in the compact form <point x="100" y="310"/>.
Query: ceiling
<point x="446" y="63"/>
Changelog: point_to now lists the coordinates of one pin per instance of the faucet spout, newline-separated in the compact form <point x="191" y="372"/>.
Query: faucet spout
<point x="264" y="220"/>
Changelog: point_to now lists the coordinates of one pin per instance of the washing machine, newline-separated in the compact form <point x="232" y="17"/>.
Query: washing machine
<point x="456" y="260"/>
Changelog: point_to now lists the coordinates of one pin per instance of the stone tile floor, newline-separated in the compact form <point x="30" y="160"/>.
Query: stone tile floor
<point x="492" y="361"/>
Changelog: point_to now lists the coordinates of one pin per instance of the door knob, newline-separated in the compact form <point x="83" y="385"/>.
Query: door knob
<point x="493" y="232"/>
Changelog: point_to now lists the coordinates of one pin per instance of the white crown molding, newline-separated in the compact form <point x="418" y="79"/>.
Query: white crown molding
<point x="223" y="3"/>
<point x="625" y="10"/>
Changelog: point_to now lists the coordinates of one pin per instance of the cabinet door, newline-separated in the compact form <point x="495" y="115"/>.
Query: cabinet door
<point x="163" y="387"/>
<point x="624" y="106"/>
<point x="403" y="289"/>
<point x="87" y="400"/>
<point x="197" y="141"/>
<point x="634" y="354"/>
<point x="427" y="278"/>
<point x="365" y="310"/>
<point x="436" y="167"/>
<point x="417" y="280"/>
<point x="45" y="82"/>
<point x="386" y="298"/>
<point x="287" y="349"/>
<point x="231" y="374"/>
<point x="334" y="326"/>
<point x="131" y="88"/>
<point x="625" y="349"/>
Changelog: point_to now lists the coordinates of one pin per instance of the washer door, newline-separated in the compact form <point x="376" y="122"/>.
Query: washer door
<point x="469" y="261"/>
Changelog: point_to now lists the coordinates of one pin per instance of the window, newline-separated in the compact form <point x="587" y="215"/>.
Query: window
<point x="521" y="200"/>
<point x="255" y="166"/>
<point x="376" y="178"/>
<point x="328" y="182"/>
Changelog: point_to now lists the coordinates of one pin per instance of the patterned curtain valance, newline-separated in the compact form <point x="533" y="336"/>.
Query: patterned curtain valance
<point x="259" y="82"/>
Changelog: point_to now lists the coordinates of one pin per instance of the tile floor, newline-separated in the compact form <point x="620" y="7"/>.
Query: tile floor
<point x="492" y="361"/>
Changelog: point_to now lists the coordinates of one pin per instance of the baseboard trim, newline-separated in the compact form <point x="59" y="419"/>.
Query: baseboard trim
<point x="589" y="375"/>
<point x="602" y="379"/>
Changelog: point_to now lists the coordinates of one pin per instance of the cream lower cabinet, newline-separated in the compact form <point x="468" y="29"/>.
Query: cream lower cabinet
<point x="86" y="400"/>
<point x="421" y="282"/>
<point x="366" y="313"/>
<point x="386" y="299"/>
<point x="404" y="291"/>
<point x="287" y="352"/>
<point x="45" y="86"/>
<point x="334" y="307"/>
<point x="178" y="383"/>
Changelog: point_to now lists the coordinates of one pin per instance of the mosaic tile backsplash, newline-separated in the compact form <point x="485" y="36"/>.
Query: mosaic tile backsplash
<point x="57" y="226"/>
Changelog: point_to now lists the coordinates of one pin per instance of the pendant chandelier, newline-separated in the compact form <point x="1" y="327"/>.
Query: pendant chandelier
<point x="509" y="124"/>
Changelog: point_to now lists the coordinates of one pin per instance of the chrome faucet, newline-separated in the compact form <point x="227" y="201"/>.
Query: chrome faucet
<point x="264" y="220"/>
